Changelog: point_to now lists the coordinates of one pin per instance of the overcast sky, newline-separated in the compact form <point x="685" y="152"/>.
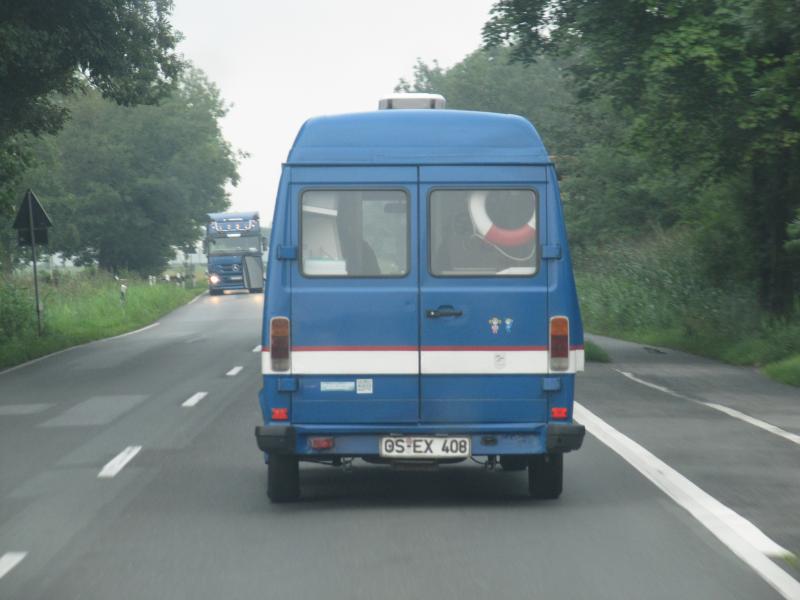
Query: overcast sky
<point x="281" y="62"/>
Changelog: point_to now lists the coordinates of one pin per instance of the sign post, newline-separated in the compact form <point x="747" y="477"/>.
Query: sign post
<point x="31" y="223"/>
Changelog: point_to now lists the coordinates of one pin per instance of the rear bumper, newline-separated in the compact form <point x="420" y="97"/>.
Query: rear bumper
<point x="227" y="285"/>
<point x="564" y="437"/>
<point x="278" y="439"/>
<point x="364" y="441"/>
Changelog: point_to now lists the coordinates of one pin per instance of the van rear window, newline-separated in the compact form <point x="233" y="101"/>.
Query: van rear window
<point x="354" y="233"/>
<point x="483" y="233"/>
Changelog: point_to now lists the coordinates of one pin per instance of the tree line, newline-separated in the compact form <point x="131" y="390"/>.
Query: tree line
<point x="709" y="92"/>
<point x="117" y="134"/>
<point x="661" y="116"/>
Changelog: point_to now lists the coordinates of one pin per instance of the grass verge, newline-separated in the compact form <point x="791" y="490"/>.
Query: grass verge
<point x="595" y="353"/>
<point x="787" y="370"/>
<point x="78" y="308"/>
<point x="654" y="293"/>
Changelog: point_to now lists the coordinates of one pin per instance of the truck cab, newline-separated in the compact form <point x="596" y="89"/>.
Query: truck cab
<point x="233" y="245"/>
<point x="421" y="305"/>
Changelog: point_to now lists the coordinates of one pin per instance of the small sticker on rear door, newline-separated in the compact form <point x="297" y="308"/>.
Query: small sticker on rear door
<point x="337" y="386"/>
<point x="363" y="386"/>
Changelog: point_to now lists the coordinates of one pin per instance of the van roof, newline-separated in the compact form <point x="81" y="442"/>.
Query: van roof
<point x="418" y="137"/>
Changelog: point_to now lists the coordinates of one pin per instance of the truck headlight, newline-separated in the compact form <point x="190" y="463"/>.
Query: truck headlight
<point x="214" y="278"/>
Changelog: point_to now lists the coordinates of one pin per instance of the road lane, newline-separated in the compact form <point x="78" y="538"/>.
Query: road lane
<point x="189" y="518"/>
<point x="202" y="529"/>
<point x="754" y="472"/>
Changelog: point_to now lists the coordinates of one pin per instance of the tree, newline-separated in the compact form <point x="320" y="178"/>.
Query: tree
<point x="48" y="50"/>
<point x="712" y="85"/>
<point x="608" y="187"/>
<point x="126" y="185"/>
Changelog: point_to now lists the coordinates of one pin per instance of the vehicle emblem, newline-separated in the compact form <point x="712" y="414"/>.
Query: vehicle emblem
<point x="495" y="323"/>
<point x="236" y="267"/>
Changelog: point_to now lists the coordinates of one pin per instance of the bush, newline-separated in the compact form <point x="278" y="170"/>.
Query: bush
<point x="17" y="308"/>
<point x="656" y="291"/>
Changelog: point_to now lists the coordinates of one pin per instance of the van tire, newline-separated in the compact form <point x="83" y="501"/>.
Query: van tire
<point x="283" y="478"/>
<point x="514" y="462"/>
<point x="546" y="476"/>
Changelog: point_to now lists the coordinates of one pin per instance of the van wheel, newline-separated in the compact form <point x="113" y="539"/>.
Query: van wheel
<point x="283" y="478"/>
<point x="514" y="462"/>
<point x="546" y="476"/>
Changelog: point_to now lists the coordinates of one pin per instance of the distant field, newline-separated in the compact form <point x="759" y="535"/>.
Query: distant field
<point x="78" y="308"/>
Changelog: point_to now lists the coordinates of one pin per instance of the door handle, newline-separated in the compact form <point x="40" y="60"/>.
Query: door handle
<point x="443" y="311"/>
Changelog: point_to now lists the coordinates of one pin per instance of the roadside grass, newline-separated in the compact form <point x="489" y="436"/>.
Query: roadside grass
<point x="595" y="353"/>
<point x="787" y="370"/>
<point x="655" y="295"/>
<point x="77" y="308"/>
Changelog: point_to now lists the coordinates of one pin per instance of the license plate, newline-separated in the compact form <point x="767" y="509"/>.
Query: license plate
<point x="425" y="447"/>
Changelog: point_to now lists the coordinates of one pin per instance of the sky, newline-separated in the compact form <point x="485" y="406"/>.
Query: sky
<point x="280" y="62"/>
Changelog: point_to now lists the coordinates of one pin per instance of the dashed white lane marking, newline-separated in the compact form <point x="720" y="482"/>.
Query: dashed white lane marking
<point x="194" y="399"/>
<point x="9" y="560"/>
<point x="116" y="464"/>
<point x="742" y="537"/>
<point x="234" y="371"/>
<point x="257" y="348"/>
<point x="732" y="412"/>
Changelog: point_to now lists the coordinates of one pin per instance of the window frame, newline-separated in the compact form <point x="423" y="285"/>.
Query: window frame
<point x="408" y="197"/>
<point x="537" y="263"/>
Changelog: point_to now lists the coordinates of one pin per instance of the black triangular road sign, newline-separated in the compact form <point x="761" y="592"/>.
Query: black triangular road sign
<point x="41" y="221"/>
<point x="40" y="218"/>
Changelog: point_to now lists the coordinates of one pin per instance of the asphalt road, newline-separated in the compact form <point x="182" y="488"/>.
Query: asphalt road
<point x="187" y="516"/>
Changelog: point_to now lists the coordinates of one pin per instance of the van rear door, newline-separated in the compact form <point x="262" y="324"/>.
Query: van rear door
<point x="355" y="295"/>
<point x="483" y="295"/>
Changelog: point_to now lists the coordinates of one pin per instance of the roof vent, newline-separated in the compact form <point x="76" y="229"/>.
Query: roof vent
<point x="412" y="101"/>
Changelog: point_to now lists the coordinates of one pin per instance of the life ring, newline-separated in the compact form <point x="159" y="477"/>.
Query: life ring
<point x="494" y="234"/>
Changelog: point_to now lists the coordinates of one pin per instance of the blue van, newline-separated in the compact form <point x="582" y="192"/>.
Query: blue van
<point x="421" y="307"/>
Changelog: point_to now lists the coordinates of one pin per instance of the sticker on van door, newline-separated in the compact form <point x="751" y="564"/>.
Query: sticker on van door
<point x="337" y="386"/>
<point x="363" y="386"/>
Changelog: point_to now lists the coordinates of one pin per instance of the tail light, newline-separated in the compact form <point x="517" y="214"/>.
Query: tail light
<point x="321" y="443"/>
<point x="559" y="344"/>
<point x="279" y="344"/>
<point x="558" y="412"/>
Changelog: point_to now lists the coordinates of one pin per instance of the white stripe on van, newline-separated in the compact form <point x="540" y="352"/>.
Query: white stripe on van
<point x="433" y="362"/>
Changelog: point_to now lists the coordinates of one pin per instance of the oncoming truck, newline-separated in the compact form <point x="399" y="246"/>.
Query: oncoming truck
<point x="421" y="306"/>
<point x="234" y="248"/>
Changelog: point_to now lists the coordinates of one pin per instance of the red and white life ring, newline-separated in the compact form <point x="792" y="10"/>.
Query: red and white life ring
<point x="494" y="234"/>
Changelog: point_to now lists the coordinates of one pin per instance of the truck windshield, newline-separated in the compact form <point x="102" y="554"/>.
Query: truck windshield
<point x="239" y="245"/>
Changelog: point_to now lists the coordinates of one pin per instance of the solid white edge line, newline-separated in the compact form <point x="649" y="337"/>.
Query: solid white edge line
<point x="115" y="337"/>
<point x="257" y="348"/>
<point x="9" y="560"/>
<point x="116" y="464"/>
<point x="234" y="371"/>
<point x="743" y="538"/>
<point x="660" y="388"/>
<point x="774" y="429"/>
<point x="731" y="412"/>
<point x="196" y="298"/>
<point x="57" y="352"/>
<point x="194" y="399"/>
